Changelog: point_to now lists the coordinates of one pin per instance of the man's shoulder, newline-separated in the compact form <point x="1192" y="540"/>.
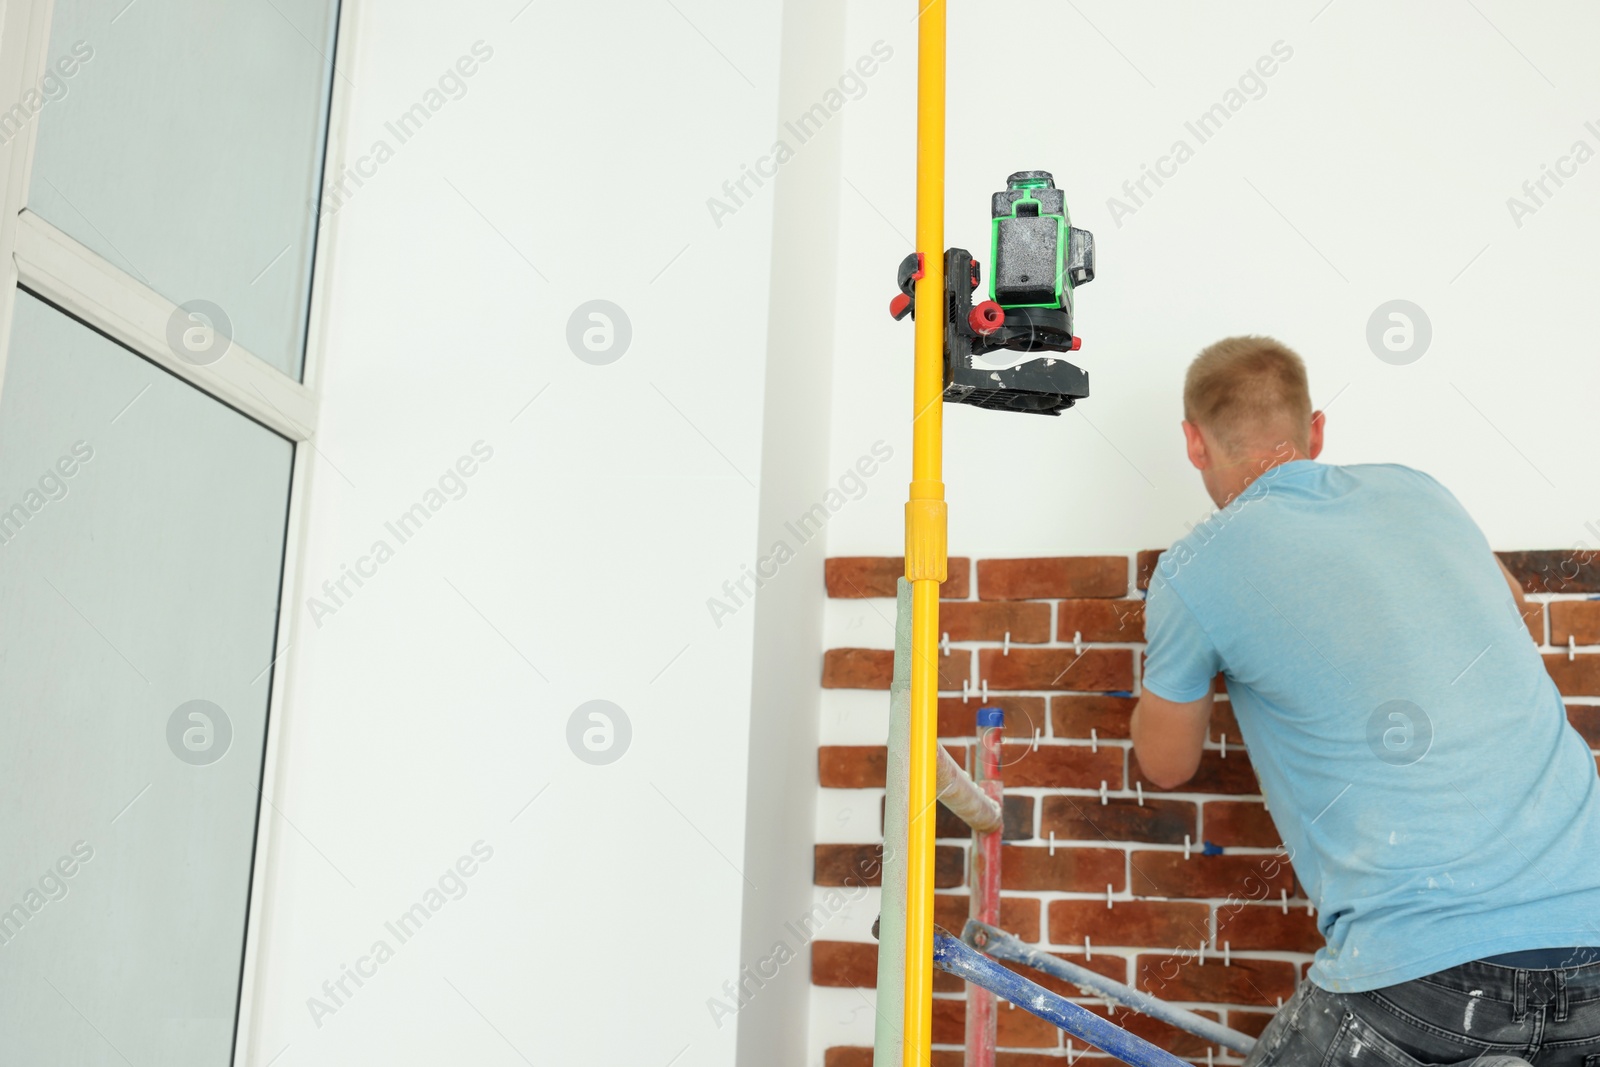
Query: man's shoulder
<point x="1386" y="470"/>
<point x="1212" y="545"/>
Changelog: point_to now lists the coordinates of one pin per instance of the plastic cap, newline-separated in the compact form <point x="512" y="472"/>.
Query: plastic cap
<point x="988" y="717"/>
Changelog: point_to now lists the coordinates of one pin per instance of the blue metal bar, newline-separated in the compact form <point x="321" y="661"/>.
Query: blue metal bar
<point x="1003" y="946"/>
<point x="956" y="957"/>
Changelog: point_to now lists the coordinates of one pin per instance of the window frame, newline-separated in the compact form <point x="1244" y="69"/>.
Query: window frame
<point x="37" y="256"/>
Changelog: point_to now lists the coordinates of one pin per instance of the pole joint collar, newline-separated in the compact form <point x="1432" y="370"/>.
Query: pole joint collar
<point x="927" y="554"/>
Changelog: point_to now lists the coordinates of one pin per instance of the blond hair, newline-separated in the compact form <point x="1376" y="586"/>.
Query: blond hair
<point x="1249" y="393"/>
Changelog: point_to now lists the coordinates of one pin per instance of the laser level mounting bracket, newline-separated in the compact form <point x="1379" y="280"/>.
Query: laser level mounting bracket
<point x="1037" y="259"/>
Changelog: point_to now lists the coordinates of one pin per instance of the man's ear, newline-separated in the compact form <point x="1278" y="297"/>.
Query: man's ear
<point x="1198" y="454"/>
<point x="1319" y="420"/>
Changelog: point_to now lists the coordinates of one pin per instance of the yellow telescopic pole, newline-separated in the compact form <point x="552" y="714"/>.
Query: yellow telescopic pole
<point x="926" y="558"/>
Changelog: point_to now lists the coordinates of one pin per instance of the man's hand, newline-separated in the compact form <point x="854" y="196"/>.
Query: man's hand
<point x="1168" y="737"/>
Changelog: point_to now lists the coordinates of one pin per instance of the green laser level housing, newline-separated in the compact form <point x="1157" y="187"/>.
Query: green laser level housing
<point x="1037" y="259"/>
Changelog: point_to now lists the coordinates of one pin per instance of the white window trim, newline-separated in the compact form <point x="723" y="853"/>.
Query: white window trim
<point x="38" y="255"/>
<point x="89" y="287"/>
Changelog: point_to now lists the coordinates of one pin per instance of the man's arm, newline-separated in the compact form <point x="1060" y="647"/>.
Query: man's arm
<point x="1168" y="737"/>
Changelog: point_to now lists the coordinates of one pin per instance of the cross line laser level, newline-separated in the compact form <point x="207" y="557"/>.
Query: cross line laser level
<point x="1037" y="259"/>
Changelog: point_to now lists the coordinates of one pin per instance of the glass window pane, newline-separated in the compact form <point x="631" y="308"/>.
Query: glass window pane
<point x="142" y="529"/>
<point x="182" y="140"/>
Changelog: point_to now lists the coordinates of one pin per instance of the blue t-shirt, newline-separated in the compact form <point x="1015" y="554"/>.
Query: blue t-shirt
<point x="1412" y="749"/>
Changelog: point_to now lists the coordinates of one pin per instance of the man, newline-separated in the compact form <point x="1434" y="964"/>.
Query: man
<point x="1415" y="756"/>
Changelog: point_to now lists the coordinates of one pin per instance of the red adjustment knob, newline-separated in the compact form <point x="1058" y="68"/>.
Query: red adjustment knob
<point x="899" y="306"/>
<point x="986" y="318"/>
<point x="1077" y="343"/>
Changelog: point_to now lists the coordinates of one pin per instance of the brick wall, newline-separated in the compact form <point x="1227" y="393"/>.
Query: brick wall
<point x="1203" y="912"/>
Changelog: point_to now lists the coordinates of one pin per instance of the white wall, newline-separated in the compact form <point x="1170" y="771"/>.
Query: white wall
<point x="1390" y="141"/>
<point x="429" y="709"/>
<point x="788" y="613"/>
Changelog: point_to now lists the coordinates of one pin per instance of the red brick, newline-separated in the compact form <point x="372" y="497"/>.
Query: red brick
<point x="1579" y="676"/>
<point x="862" y="766"/>
<point x="852" y="964"/>
<point x="862" y="865"/>
<point x="852" y="766"/>
<point x="848" y="1055"/>
<point x="1070" y="870"/>
<point x="873" y="668"/>
<point x="957" y="583"/>
<point x="1246" y="1022"/>
<point x="1268" y="927"/>
<point x="1586" y="720"/>
<point x="1180" y="1043"/>
<point x="1015" y="1028"/>
<point x="959" y="718"/>
<point x="1533" y="616"/>
<point x="857" y="668"/>
<point x="1239" y="823"/>
<point x="1168" y="874"/>
<point x="1184" y="978"/>
<point x="1145" y="566"/>
<point x="1094" y="670"/>
<point x="1061" y="766"/>
<point x="949" y="1021"/>
<point x="1100" y="620"/>
<point x="1109" y="964"/>
<point x="855" y="577"/>
<point x="1217" y="774"/>
<point x="1129" y="923"/>
<point x="1017" y="821"/>
<point x="1223" y="724"/>
<point x="1557" y="570"/>
<point x="1579" y="619"/>
<point x="1052" y="577"/>
<point x="1076" y="714"/>
<point x="1019" y="916"/>
<point x="990" y="620"/>
<point x="1157" y="822"/>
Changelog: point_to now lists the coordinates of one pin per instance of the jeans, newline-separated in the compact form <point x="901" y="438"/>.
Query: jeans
<point x="1473" y="1012"/>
